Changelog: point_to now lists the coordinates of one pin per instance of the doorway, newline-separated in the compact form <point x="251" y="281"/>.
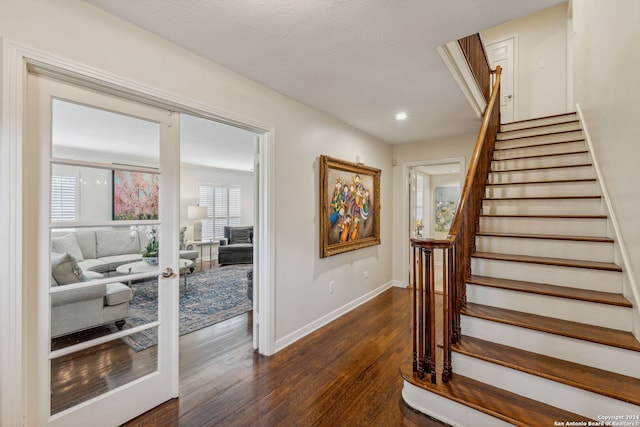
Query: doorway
<point x="218" y="212"/>
<point x="31" y="385"/>
<point x="433" y="189"/>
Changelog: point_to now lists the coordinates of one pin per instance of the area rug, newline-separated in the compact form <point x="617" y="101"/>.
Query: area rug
<point x="210" y="297"/>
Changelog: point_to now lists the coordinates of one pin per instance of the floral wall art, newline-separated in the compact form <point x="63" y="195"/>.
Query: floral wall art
<point x="135" y="195"/>
<point x="446" y="203"/>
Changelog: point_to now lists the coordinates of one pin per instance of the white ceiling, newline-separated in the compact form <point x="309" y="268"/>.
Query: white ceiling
<point x="358" y="60"/>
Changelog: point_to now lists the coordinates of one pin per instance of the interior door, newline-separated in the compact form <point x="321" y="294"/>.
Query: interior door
<point x="101" y="186"/>
<point x="502" y="53"/>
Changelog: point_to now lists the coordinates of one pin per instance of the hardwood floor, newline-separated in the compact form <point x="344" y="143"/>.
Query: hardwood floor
<point x="345" y="374"/>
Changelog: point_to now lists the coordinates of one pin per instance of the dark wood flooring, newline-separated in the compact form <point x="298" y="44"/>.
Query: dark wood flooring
<point x="345" y="374"/>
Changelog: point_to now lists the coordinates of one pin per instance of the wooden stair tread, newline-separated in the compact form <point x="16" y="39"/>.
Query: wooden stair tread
<point x="535" y="136"/>
<point x="552" y="290"/>
<point x="595" y="380"/>
<point x="544" y="198"/>
<point x="539" y="156"/>
<point x="543" y="216"/>
<point x="541" y="126"/>
<point x="541" y="168"/>
<point x="554" y="181"/>
<point x="562" y="262"/>
<point x="566" y="328"/>
<point x="539" y="118"/>
<point x="544" y="144"/>
<point x="547" y="237"/>
<point x="510" y="407"/>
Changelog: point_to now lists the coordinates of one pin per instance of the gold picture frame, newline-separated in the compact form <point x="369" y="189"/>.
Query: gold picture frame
<point x="349" y="206"/>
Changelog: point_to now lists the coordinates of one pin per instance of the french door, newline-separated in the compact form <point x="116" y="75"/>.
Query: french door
<point x="100" y="188"/>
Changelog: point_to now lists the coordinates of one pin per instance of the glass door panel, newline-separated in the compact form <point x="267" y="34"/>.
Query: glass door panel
<point x="111" y="233"/>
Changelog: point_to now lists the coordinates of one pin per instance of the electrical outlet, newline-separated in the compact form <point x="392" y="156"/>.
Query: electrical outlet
<point x="331" y="289"/>
<point x="365" y="275"/>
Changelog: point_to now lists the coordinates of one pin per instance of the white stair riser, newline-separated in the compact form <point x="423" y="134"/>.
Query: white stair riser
<point x="568" y="227"/>
<point x="580" y="172"/>
<point x="604" y="315"/>
<point x="447" y="410"/>
<point x="584" y="188"/>
<point x="543" y="207"/>
<point x="520" y="133"/>
<point x="552" y="393"/>
<point x="618" y="360"/>
<point x="540" y="162"/>
<point x="540" y="150"/>
<point x="542" y="139"/>
<point x="585" y="251"/>
<point x="539" y="122"/>
<point x="579" y="278"/>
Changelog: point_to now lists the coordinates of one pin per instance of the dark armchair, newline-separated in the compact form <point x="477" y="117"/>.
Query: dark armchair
<point x="237" y="246"/>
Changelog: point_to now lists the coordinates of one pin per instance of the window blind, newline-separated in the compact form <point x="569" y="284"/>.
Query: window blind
<point x="63" y="198"/>
<point x="223" y="208"/>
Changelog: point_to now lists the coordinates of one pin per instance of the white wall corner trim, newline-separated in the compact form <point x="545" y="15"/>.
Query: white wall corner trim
<point x="11" y="356"/>
<point x="627" y="268"/>
<point x="330" y="317"/>
<point x="457" y="64"/>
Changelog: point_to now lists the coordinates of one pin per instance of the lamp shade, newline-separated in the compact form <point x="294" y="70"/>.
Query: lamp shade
<point x="196" y="212"/>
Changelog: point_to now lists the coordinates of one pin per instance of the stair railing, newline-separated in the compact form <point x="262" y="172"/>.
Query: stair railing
<point x="456" y="256"/>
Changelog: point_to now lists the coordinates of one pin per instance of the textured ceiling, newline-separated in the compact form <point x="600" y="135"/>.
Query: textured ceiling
<point x="358" y="60"/>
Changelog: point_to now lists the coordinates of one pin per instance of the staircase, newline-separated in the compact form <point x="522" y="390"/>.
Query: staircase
<point x="546" y="332"/>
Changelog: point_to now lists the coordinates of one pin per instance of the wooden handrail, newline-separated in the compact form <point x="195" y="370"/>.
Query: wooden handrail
<point x="475" y="157"/>
<point x="456" y="250"/>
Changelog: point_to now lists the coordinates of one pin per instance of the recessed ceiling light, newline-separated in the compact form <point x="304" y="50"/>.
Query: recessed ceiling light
<point x="401" y="116"/>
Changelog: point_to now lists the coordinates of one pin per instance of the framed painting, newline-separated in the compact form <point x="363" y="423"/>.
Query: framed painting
<point x="349" y="206"/>
<point x="135" y="195"/>
<point x="446" y="203"/>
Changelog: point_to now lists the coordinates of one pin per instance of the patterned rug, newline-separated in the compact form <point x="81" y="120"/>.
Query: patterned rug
<point x="211" y="297"/>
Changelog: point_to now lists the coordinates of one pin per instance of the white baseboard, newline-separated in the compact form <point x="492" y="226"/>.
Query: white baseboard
<point x="330" y="317"/>
<point x="399" y="284"/>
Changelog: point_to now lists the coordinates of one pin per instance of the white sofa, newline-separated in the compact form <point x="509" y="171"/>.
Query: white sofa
<point x="85" y="255"/>
<point x="102" y="251"/>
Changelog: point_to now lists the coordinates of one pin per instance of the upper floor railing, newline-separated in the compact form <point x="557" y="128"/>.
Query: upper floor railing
<point x="457" y="249"/>
<point x="476" y="56"/>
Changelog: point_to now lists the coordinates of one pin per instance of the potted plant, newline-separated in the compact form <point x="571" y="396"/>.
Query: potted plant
<point x="150" y="254"/>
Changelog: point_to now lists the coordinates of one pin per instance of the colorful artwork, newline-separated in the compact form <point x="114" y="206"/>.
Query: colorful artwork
<point x="350" y="206"/>
<point x="135" y="195"/>
<point x="446" y="203"/>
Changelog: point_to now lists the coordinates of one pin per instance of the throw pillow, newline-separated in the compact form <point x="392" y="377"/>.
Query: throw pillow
<point x="67" y="244"/>
<point x="65" y="270"/>
<point x="239" y="235"/>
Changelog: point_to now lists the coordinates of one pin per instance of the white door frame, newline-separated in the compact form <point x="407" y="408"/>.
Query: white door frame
<point x="406" y="252"/>
<point x="15" y="60"/>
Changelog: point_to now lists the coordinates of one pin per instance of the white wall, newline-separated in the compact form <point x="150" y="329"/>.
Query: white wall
<point x="404" y="154"/>
<point x="191" y="176"/>
<point x="541" y="38"/>
<point x="77" y="31"/>
<point x="607" y="66"/>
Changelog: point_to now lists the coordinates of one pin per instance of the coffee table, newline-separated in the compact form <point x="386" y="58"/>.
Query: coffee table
<point x="137" y="267"/>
